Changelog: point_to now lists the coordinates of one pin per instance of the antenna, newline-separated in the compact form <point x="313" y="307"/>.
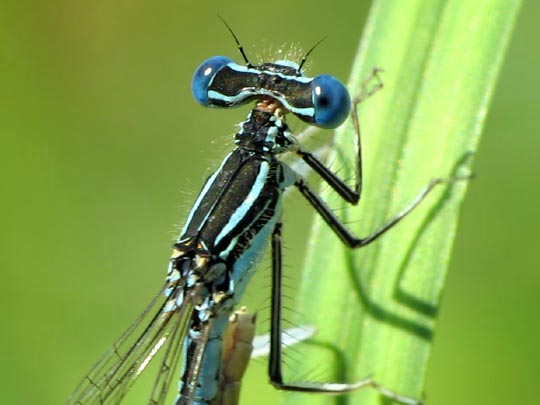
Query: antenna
<point x="240" y="47"/>
<point x="303" y="61"/>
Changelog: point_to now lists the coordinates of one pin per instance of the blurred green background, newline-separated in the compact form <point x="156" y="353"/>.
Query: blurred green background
<point x="103" y="150"/>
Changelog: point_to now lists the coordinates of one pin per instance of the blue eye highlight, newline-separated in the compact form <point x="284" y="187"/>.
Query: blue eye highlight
<point x="204" y="75"/>
<point x="331" y="101"/>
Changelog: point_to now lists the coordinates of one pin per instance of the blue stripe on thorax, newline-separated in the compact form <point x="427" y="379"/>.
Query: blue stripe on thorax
<point x="246" y="205"/>
<point x="201" y="196"/>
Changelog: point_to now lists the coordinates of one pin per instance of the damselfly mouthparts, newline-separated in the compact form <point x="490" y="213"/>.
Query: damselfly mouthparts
<point x="225" y="234"/>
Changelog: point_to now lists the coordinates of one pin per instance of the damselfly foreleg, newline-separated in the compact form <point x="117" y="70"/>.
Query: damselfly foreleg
<point x="353" y="194"/>
<point x="349" y="194"/>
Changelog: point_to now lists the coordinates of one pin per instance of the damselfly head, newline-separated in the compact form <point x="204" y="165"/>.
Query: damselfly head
<point x="322" y="101"/>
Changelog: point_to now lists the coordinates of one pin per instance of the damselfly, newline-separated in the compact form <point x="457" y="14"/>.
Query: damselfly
<point x="225" y="234"/>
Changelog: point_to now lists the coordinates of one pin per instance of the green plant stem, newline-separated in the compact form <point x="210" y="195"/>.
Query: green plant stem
<point x="376" y="308"/>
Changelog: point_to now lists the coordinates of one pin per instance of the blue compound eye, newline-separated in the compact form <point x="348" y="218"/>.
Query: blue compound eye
<point x="204" y="75"/>
<point x="331" y="101"/>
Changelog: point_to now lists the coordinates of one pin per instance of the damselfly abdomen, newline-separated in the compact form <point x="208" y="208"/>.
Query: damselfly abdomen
<point x="234" y="216"/>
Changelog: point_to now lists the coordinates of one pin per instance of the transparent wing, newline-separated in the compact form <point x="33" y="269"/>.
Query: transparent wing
<point x="195" y="363"/>
<point x="113" y="375"/>
<point x="172" y="355"/>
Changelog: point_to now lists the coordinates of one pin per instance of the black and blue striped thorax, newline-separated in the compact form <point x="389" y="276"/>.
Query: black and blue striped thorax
<point x="242" y="197"/>
<point x="236" y="209"/>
